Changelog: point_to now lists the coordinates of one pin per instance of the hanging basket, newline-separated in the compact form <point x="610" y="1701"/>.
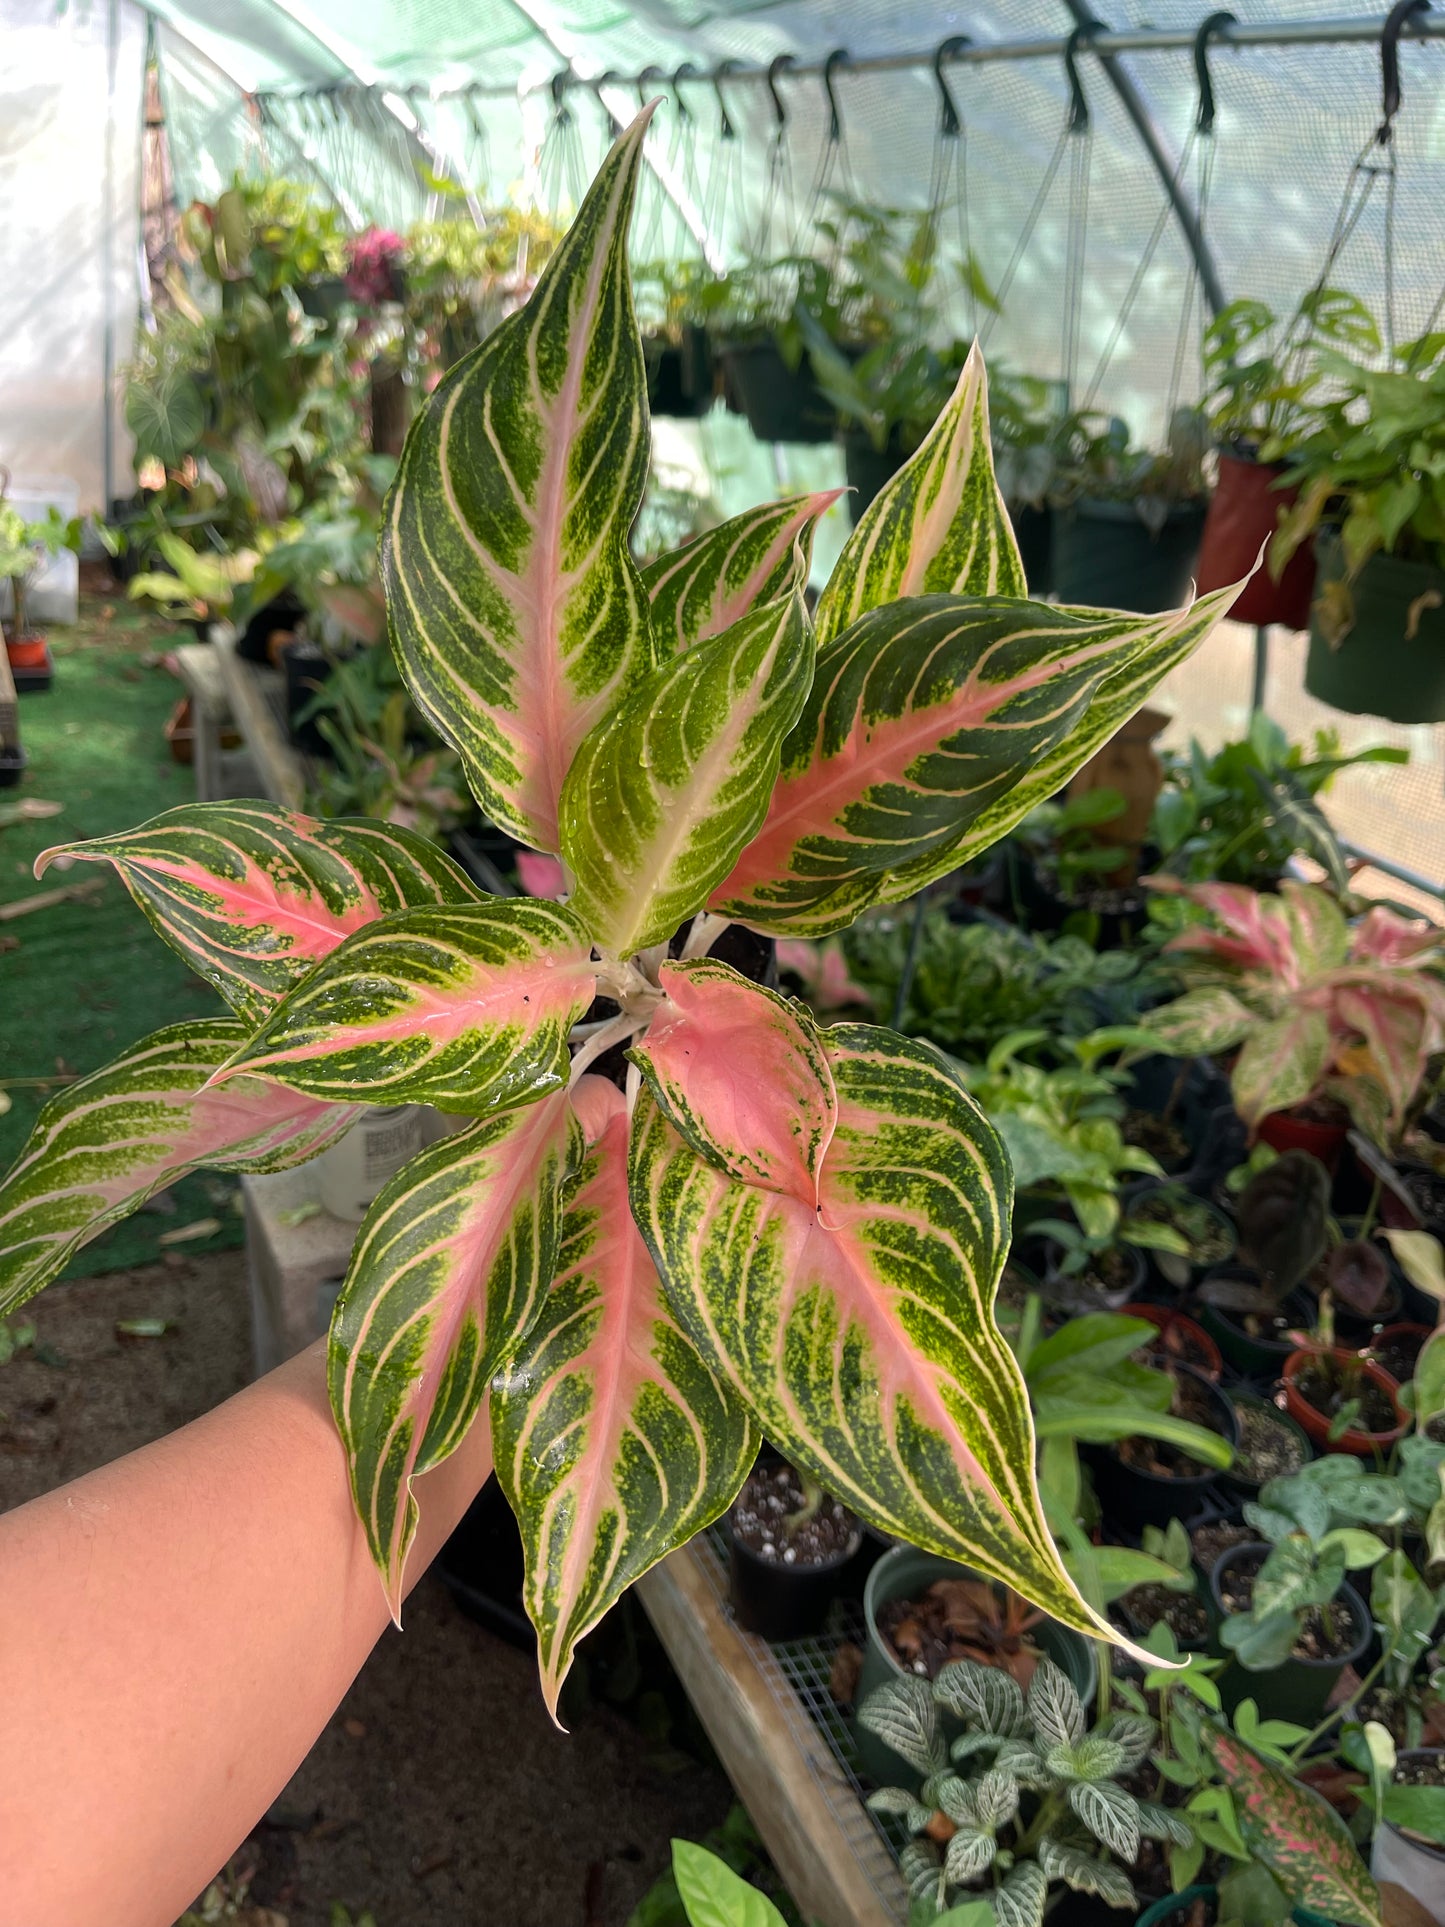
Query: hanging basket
<point x="1390" y="659"/>
<point x="680" y="376"/>
<point x="1034" y="532"/>
<point x="781" y="404"/>
<point x="1104" y="557"/>
<point x="868" y="469"/>
<point x="1243" y="515"/>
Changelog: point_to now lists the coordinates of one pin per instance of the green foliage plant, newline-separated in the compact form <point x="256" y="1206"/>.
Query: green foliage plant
<point x="621" y="1270"/>
<point x="25" y="544"/>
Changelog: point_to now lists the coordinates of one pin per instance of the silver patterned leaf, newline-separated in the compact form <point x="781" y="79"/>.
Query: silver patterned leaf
<point x="1159" y="1823"/>
<point x="902" y="1715"/>
<point x="1054" y="1706"/>
<point x="968" y="1853"/>
<point x="1019" y="1902"/>
<point x="1085" y="1873"/>
<point x="1110" y="1814"/>
<point x="984" y="1696"/>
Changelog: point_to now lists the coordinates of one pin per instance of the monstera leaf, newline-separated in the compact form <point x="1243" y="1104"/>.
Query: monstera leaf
<point x="107" y="1143"/>
<point x="749" y="1225"/>
<point x="254" y="896"/>
<point x="517" y="613"/>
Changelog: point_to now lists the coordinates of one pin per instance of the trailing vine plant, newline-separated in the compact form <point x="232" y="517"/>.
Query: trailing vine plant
<point x="774" y="1227"/>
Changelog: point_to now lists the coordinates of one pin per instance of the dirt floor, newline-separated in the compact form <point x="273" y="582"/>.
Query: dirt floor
<point x="439" y="1795"/>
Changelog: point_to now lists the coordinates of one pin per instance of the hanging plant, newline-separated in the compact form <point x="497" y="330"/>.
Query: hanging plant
<point x="774" y="1226"/>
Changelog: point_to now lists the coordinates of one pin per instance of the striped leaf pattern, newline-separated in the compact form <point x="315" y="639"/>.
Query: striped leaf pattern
<point x="448" y="1273"/>
<point x="254" y="896"/>
<point x="701" y="1055"/>
<point x="110" y="1141"/>
<point x="924" y="716"/>
<point x="1161" y="644"/>
<point x="939" y="527"/>
<point x="665" y="793"/>
<point x="861" y="1329"/>
<point x="757" y="557"/>
<point x="468" y="1009"/>
<point x="516" y="611"/>
<point x="614" y="1439"/>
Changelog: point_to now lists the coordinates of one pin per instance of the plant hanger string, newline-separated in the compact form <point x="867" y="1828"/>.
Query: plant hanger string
<point x="833" y="177"/>
<point x="949" y="176"/>
<point x="560" y="175"/>
<point x="721" y="194"/>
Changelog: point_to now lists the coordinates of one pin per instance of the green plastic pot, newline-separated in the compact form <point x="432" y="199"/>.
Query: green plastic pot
<point x="1378" y="668"/>
<point x="1105" y="558"/>
<point x="900" y="1574"/>
<point x="1174" y="1905"/>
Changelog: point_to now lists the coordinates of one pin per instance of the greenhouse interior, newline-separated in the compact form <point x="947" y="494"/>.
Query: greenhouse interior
<point x="722" y="964"/>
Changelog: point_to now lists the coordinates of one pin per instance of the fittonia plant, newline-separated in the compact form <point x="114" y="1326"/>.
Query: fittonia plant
<point x="776" y="1227"/>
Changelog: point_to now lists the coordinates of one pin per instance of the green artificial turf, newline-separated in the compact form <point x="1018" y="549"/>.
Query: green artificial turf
<point x="87" y="978"/>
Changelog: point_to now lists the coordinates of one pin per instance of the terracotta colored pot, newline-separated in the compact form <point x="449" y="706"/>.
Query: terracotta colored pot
<point x="27" y="652"/>
<point x="1362" y="1445"/>
<point x="1243" y="514"/>
<point x="1283" y="1131"/>
<point x="1169" y="1320"/>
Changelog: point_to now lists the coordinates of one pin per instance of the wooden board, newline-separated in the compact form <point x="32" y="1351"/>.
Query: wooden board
<point x="247" y="684"/>
<point x="841" y="1875"/>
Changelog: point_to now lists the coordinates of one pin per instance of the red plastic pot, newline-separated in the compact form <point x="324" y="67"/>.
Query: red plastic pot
<point x="1169" y="1320"/>
<point x="1283" y="1131"/>
<point x="1361" y="1445"/>
<point x="27" y="652"/>
<point x="1243" y="514"/>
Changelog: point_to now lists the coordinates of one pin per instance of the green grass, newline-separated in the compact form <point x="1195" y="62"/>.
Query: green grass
<point x="90" y="977"/>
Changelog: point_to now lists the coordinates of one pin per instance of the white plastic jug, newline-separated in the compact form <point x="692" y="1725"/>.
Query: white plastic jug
<point x="375" y="1148"/>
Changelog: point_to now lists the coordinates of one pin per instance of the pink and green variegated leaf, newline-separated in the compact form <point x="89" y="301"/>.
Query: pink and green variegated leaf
<point x="1161" y="644"/>
<point x="614" y="1438"/>
<point x="1291" y="1830"/>
<point x="1401" y="1032"/>
<point x="939" y="527"/>
<point x="113" y="1139"/>
<point x="468" y="1009"/>
<point x="861" y="1329"/>
<point x="743" y="1076"/>
<point x="758" y="557"/>
<point x="516" y="611"/>
<point x="254" y="896"/>
<point x="1282" y="1063"/>
<point x="1319" y="935"/>
<point x="921" y="717"/>
<point x="1259" y="937"/>
<point x="1201" y="1021"/>
<point x="448" y="1274"/>
<point x="666" y="791"/>
<point x="1383" y="936"/>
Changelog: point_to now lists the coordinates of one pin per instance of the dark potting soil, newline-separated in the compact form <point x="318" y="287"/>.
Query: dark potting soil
<point x="1427" y="1194"/>
<point x="1209" y="1543"/>
<point x="1209" y="1241"/>
<point x="1176" y="1344"/>
<point x="1319" y="1639"/>
<point x="1268" y="1448"/>
<point x="768" y="1518"/>
<point x="1111" y="1271"/>
<point x="1327" y="1388"/>
<point x="1426" y="1771"/>
<point x="1160" y="1137"/>
<point x="1191" y="1401"/>
<point x="1398" y="1355"/>
<point x="1184" y="1615"/>
<point x="962" y="1619"/>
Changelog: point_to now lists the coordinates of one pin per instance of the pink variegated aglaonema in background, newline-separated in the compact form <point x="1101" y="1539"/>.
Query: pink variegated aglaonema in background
<point x="757" y="1224"/>
<point x="1319" y="1007"/>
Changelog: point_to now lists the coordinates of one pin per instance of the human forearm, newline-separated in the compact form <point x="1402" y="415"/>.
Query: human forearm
<point x="178" y="1628"/>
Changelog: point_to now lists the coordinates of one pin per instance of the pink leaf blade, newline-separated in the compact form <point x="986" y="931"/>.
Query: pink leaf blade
<point x="253" y="896"/>
<point x="1382" y="936"/>
<point x="754" y="558"/>
<point x="468" y="1009"/>
<point x="448" y="1274"/>
<point x="703" y="1054"/>
<point x="614" y="1439"/>
<point x="110" y="1141"/>
<point x="1283" y="1062"/>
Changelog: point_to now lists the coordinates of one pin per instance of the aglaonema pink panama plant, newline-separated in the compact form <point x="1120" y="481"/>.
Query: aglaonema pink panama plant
<point x="774" y="1227"/>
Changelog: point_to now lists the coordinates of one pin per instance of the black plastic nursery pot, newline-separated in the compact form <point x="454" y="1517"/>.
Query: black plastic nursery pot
<point x="680" y="375"/>
<point x="1299" y="1689"/>
<point x="904" y="1573"/>
<point x="1239" y="1479"/>
<point x="779" y="1598"/>
<point x="1078" y="1294"/>
<point x="1216" y="1239"/>
<point x="781" y="404"/>
<point x="1105" y="558"/>
<point x="869" y="470"/>
<point x="483" y="1568"/>
<point x="12" y="765"/>
<point x="1391" y="660"/>
<point x="1255" y="1355"/>
<point x="1133" y="1496"/>
<point x="305" y="668"/>
<point x="1034" y="533"/>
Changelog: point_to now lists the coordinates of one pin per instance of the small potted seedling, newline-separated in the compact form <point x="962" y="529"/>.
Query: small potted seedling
<point x="1150" y="1479"/>
<point x="790" y="1542"/>
<point x="1208" y="1236"/>
<point x="1251" y="1307"/>
<point x="1086" y="1271"/>
<point x="24" y="546"/>
<point x="1271" y="1445"/>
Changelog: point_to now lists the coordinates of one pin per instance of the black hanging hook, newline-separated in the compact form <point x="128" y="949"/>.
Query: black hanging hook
<point x="559" y="84"/>
<point x="1204" y="119"/>
<point x="1394" y="26"/>
<point x="726" y="130"/>
<point x="1078" y="99"/>
<point x="950" y="121"/>
<point x="648" y="73"/>
<point x="609" y="79"/>
<point x="775" y="68"/>
<point x="685" y="72"/>
<point x="838" y="58"/>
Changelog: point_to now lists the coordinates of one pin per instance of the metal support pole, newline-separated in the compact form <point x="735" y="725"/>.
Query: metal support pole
<point x="1261" y="670"/>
